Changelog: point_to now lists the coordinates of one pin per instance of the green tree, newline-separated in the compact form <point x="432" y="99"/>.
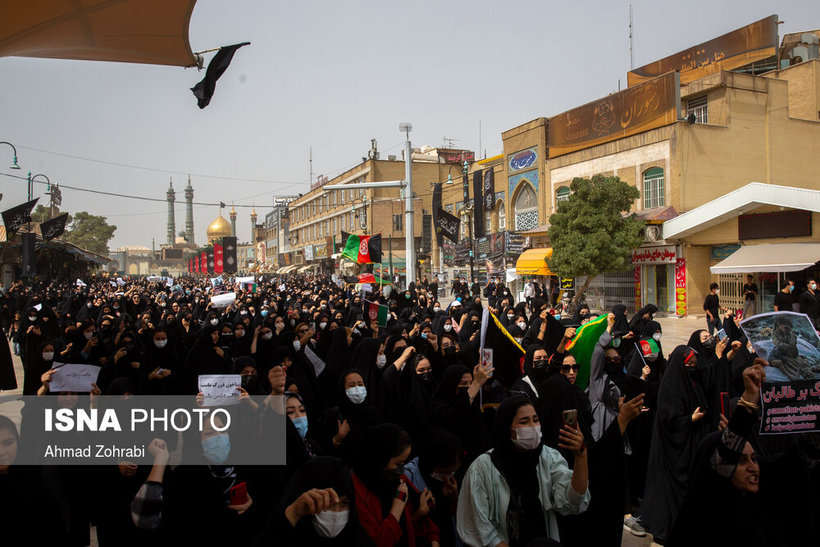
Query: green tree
<point x="42" y="213"/>
<point x="591" y="232"/>
<point x="90" y="232"/>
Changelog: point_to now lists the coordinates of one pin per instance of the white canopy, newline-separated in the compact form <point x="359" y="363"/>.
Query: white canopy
<point x="772" y="257"/>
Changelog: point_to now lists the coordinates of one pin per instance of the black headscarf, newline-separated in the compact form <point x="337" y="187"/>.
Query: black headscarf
<point x="383" y="442"/>
<point x="621" y="325"/>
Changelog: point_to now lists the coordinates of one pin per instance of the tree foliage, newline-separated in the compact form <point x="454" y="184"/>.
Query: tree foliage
<point x="90" y="232"/>
<point x="42" y="213"/>
<point x="590" y="234"/>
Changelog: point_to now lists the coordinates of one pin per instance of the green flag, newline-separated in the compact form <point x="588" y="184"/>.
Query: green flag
<point x="376" y="312"/>
<point x="583" y="344"/>
<point x="364" y="249"/>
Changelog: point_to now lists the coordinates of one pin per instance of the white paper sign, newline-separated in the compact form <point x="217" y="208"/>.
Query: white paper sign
<point x="248" y="279"/>
<point x="223" y="300"/>
<point x="72" y="377"/>
<point x="220" y="389"/>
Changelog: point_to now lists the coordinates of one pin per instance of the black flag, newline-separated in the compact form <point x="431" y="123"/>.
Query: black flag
<point x="204" y="90"/>
<point x="436" y="208"/>
<point x="489" y="189"/>
<point x="53" y="228"/>
<point x="447" y="225"/>
<point x="478" y="204"/>
<point x="15" y="217"/>
<point x="229" y="254"/>
<point x="28" y="239"/>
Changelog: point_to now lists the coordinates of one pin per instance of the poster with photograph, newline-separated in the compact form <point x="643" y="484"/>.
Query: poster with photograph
<point x="791" y="393"/>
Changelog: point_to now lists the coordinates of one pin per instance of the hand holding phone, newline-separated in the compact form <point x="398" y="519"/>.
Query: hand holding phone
<point x="570" y="417"/>
<point x="239" y="494"/>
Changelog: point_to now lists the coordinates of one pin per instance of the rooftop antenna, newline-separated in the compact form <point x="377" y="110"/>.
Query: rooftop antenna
<point x="448" y="142"/>
<point x="311" y="167"/>
<point x="479" y="136"/>
<point x="631" y="45"/>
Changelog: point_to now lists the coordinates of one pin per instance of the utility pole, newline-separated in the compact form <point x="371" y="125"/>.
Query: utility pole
<point x="468" y="209"/>
<point x="409" y="241"/>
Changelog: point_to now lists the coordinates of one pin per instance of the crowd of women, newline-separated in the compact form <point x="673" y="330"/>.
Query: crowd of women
<point x="400" y="435"/>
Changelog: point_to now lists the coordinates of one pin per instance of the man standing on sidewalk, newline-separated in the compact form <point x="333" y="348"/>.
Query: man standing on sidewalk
<point x="750" y="297"/>
<point x="809" y="304"/>
<point x="713" y="308"/>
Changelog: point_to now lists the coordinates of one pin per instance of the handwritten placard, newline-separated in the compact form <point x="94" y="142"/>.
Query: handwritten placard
<point x="73" y="377"/>
<point x="220" y="389"/>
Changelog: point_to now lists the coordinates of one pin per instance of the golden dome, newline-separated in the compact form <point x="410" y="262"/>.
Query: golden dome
<point x="219" y="228"/>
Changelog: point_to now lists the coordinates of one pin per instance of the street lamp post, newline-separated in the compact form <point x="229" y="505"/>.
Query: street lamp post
<point x="468" y="209"/>
<point x="14" y="160"/>
<point x="409" y="240"/>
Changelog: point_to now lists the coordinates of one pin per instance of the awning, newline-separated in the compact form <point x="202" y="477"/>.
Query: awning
<point x="303" y="269"/>
<point x="537" y="231"/>
<point x="773" y="257"/>
<point x="128" y="31"/>
<point x="534" y="262"/>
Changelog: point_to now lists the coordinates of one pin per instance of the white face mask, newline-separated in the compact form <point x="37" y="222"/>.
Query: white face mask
<point x="356" y="394"/>
<point x="381" y="360"/>
<point x="656" y="336"/>
<point x="448" y="328"/>
<point x="267" y="336"/>
<point x="329" y="524"/>
<point x="527" y="438"/>
<point x="48" y="355"/>
<point x="814" y="286"/>
<point x="436" y="308"/>
<point x="511" y="317"/>
<point x="214" y="322"/>
<point x="88" y="335"/>
<point x="296" y="345"/>
<point x="522" y="325"/>
<point x="160" y="343"/>
<point x="717" y="291"/>
<point x="323" y="324"/>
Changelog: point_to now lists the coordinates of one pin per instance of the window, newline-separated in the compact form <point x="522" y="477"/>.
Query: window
<point x="502" y="216"/>
<point x="344" y="222"/>
<point x="488" y="222"/>
<point x="562" y="194"/>
<point x="526" y="209"/>
<point x="343" y="196"/>
<point x="697" y="106"/>
<point x="397" y="223"/>
<point x="653" y="195"/>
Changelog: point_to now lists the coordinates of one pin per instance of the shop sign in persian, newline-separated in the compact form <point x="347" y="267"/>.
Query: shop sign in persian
<point x="680" y="286"/>
<point x="647" y="256"/>
<point x="652" y="104"/>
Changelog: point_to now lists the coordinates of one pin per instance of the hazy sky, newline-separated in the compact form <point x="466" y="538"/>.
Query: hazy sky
<point x="331" y="75"/>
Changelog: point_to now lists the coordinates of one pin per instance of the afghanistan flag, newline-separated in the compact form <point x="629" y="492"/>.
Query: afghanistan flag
<point x="583" y="344"/>
<point x="376" y="312"/>
<point x="15" y="217"/>
<point x="218" y="263"/>
<point x="363" y="249"/>
<point x="54" y="227"/>
<point x="507" y="353"/>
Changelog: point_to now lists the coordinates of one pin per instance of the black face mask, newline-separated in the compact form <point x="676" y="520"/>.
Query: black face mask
<point x="709" y="343"/>
<point x="450" y="350"/>
<point x="613" y="367"/>
<point x="462" y="390"/>
<point x="426" y="377"/>
<point x="249" y="381"/>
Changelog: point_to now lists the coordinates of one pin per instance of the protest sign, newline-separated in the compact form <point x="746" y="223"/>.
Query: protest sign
<point x="223" y="300"/>
<point x="73" y="377"/>
<point x="220" y="389"/>
<point x="791" y="393"/>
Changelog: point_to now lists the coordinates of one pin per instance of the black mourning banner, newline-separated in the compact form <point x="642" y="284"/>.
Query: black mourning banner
<point x="16" y="217"/>
<point x="229" y="254"/>
<point x="436" y="208"/>
<point x="210" y="261"/>
<point x="489" y="189"/>
<point x="447" y="225"/>
<point x="28" y="239"/>
<point x="478" y="201"/>
<point x="53" y="228"/>
<point x="204" y="90"/>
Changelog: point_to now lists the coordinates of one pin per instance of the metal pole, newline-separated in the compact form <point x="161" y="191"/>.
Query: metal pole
<point x="409" y="244"/>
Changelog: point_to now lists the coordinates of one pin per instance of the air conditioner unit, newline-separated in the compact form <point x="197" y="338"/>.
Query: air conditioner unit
<point x="652" y="233"/>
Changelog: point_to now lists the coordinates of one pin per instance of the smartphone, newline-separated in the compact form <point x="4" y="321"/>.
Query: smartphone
<point x="239" y="494"/>
<point x="725" y="405"/>
<point x="313" y="325"/>
<point x="570" y="417"/>
<point x="721" y="335"/>
<point x="158" y="370"/>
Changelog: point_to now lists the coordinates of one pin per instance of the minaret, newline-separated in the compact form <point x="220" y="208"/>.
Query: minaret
<point x="170" y="196"/>
<point x="253" y="225"/>
<point x="233" y="221"/>
<point x="189" y="212"/>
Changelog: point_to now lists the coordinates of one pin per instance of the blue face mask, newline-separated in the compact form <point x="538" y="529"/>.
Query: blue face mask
<point x="216" y="448"/>
<point x="356" y="394"/>
<point x="557" y="316"/>
<point x="301" y="424"/>
<point x="265" y="313"/>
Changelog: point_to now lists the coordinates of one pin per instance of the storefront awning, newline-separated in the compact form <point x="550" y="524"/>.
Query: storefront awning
<point x="774" y="257"/>
<point x="127" y="31"/>
<point x="534" y="262"/>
